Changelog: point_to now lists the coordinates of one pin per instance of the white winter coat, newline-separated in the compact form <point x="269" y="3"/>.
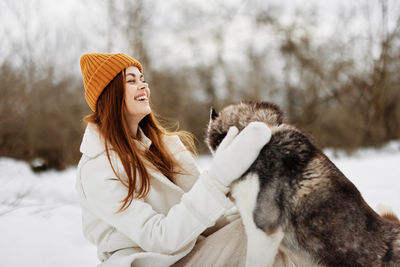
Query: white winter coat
<point x="155" y="231"/>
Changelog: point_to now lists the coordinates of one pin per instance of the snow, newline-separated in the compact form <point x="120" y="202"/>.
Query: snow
<point x="40" y="219"/>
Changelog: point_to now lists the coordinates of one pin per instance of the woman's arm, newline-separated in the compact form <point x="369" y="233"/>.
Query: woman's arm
<point x="199" y="208"/>
<point x="191" y="173"/>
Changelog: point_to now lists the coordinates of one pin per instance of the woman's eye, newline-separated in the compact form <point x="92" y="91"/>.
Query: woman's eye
<point x="131" y="81"/>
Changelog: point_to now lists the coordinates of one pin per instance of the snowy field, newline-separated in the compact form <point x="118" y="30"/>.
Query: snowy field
<point x="40" y="223"/>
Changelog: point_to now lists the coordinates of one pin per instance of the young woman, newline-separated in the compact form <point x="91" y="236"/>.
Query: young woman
<point x="144" y="202"/>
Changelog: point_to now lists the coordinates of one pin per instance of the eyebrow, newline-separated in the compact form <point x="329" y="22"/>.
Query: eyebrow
<point x="134" y="75"/>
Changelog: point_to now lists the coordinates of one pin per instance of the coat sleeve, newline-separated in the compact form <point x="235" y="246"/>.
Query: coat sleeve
<point x="198" y="209"/>
<point x="191" y="173"/>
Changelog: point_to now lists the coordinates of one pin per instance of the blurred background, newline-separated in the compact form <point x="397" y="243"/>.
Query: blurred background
<point x="333" y="66"/>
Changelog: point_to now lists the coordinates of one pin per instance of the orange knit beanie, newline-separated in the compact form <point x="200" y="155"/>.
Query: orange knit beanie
<point x="99" y="69"/>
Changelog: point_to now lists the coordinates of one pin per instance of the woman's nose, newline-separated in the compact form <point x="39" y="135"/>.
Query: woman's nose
<point x="143" y="85"/>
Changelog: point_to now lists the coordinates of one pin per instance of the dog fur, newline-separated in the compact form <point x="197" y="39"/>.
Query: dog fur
<point x="294" y="200"/>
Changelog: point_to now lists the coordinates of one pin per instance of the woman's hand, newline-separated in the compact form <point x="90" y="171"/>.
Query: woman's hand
<point x="237" y="152"/>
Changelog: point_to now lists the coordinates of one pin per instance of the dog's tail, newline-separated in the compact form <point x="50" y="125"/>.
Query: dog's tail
<point x="387" y="213"/>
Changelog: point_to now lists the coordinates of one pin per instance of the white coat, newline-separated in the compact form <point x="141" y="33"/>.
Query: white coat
<point x="157" y="230"/>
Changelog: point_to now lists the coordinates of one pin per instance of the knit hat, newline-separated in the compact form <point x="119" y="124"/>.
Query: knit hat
<point x="99" y="69"/>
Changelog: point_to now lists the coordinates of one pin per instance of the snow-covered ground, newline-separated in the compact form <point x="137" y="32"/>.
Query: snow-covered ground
<point x="40" y="223"/>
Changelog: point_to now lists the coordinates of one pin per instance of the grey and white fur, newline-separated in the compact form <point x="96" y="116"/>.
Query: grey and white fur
<point x="295" y="202"/>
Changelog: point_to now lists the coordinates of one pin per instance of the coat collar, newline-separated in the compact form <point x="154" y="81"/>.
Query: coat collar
<point x="145" y="142"/>
<point x="93" y="144"/>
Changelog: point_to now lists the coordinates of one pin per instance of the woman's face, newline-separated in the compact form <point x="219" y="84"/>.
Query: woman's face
<point x="137" y="95"/>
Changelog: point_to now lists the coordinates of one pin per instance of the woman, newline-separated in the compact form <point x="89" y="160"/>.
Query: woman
<point x="144" y="202"/>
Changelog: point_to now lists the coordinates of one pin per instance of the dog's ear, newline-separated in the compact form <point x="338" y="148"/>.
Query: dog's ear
<point x="213" y="114"/>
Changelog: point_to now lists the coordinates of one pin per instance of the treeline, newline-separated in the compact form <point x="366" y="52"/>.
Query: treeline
<point x="344" y="89"/>
<point x="40" y="120"/>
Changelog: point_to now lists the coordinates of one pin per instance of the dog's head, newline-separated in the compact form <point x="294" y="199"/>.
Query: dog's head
<point x="240" y="115"/>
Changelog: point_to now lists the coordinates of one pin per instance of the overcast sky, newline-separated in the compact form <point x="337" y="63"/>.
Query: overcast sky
<point x="81" y="24"/>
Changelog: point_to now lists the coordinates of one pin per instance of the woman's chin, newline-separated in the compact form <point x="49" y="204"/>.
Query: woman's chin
<point x="146" y="112"/>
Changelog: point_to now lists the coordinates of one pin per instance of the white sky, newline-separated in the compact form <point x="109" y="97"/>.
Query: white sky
<point x="63" y="30"/>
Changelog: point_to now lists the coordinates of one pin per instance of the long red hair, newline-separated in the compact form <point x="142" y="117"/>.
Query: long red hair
<point x="113" y="127"/>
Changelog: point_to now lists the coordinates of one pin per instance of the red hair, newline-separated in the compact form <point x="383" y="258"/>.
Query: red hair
<point x="112" y="125"/>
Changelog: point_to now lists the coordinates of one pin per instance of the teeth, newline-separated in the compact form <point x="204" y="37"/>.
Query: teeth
<point x="140" y="98"/>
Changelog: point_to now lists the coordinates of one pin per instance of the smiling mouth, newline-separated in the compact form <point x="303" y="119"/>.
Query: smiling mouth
<point x="141" y="98"/>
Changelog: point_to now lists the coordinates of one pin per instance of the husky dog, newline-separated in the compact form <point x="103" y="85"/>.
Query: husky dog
<point x="294" y="200"/>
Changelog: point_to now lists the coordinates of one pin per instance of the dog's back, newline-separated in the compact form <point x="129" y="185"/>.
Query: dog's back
<point x="321" y="211"/>
<point x="322" y="214"/>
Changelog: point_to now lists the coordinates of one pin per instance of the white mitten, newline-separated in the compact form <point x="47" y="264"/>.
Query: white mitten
<point x="237" y="152"/>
